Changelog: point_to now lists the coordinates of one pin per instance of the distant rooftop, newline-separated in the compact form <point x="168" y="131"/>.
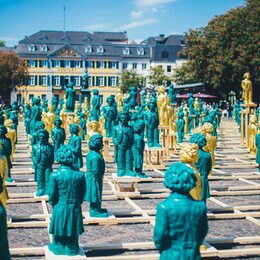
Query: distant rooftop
<point x="112" y="36"/>
<point x="177" y="40"/>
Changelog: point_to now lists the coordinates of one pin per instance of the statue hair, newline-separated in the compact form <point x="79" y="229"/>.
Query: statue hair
<point x="198" y="139"/>
<point x="188" y="153"/>
<point x="94" y="141"/>
<point x="65" y="156"/>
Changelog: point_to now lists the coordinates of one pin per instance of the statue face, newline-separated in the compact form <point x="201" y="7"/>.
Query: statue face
<point x="123" y="119"/>
<point x="42" y="137"/>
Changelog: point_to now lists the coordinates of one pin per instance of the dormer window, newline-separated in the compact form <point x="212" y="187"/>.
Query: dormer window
<point x="140" y="52"/>
<point x="126" y="51"/>
<point x="44" y="48"/>
<point x="100" y="49"/>
<point x="88" y="49"/>
<point x="31" y="48"/>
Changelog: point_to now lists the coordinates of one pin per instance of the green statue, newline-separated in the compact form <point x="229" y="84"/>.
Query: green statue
<point x="67" y="189"/>
<point x="36" y="114"/>
<point x="7" y="150"/>
<point x="123" y="138"/>
<point x="151" y="120"/>
<point x="95" y="112"/>
<point x="83" y="125"/>
<point x="70" y="97"/>
<point x="138" y="148"/>
<point x="171" y="93"/>
<point x="75" y="146"/>
<point x="257" y="142"/>
<point x="180" y="126"/>
<point x="181" y="222"/>
<point x="58" y="134"/>
<point x="110" y="115"/>
<point x="95" y="174"/>
<point x="191" y="103"/>
<point x="26" y="114"/>
<point x="43" y="159"/>
<point x="204" y="163"/>
<point x="4" y="247"/>
<point x="34" y="136"/>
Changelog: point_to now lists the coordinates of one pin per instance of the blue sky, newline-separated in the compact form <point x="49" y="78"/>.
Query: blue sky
<point x="140" y="18"/>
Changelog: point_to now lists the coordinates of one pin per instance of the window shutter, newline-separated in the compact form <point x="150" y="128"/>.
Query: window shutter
<point x="62" y="63"/>
<point x="109" y="81"/>
<point x="48" y="80"/>
<point x="72" y="79"/>
<point x="72" y="63"/>
<point x="62" y="81"/>
<point x="98" y="64"/>
<point x="40" y="80"/>
<point x="105" y="64"/>
<point x="117" y="64"/>
<point x="35" y="78"/>
<point x="105" y="81"/>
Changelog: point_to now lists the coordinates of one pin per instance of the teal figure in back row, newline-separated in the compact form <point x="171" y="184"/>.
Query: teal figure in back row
<point x="67" y="189"/>
<point x="257" y="142"/>
<point x="58" y="135"/>
<point x="94" y="177"/>
<point x="180" y="127"/>
<point x="70" y="97"/>
<point x="75" y="146"/>
<point x="4" y="247"/>
<point x="204" y="163"/>
<point x="181" y="222"/>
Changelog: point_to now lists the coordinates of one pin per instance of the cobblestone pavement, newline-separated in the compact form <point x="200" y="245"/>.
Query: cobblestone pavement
<point x="136" y="227"/>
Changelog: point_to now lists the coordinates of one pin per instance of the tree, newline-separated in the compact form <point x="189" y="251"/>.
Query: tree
<point x="2" y="43"/>
<point x="13" y="71"/>
<point x="184" y="74"/>
<point x="157" y="76"/>
<point x="221" y="52"/>
<point x="130" y="78"/>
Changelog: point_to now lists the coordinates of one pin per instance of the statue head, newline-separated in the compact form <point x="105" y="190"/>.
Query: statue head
<point x="65" y="156"/>
<point x="198" y="139"/>
<point x="94" y="126"/>
<point x="39" y="125"/>
<point x="110" y="100"/>
<point x="207" y="128"/>
<point x="8" y="123"/>
<point x="70" y="85"/>
<point x="95" y="92"/>
<point x="96" y="142"/>
<point x="124" y="117"/>
<point x="132" y="88"/>
<point x="74" y="129"/>
<point x="77" y="120"/>
<point x="189" y="153"/>
<point x="180" y="178"/>
<point x="51" y="108"/>
<point x="152" y="104"/>
<point x="58" y="122"/>
<point x="43" y="135"/>
<point x="161" y="90"/>
<point x="3" y="131"/>
<point x="247" y="75"/>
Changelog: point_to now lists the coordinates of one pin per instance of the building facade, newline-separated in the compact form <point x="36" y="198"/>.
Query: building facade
<point x="56" y="58"/>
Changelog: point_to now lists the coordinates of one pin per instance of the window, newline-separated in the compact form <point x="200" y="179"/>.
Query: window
<point x="67" y="64"/>
<point x="101" y="98"/>
<point x="143" y="66"/>
<point x="113" y="64"/>
<point x="43" y="97"/>
<point x="56" y="63"/>
<point x="101" y="64"/>
<point x="31" y="48"/>
<point x="43" y="63"/>
<point x="91" y="81"/>
<point x="44" y="48"/>
<point x="134" y="66"/>
<point x="90" y="64"/>
<point x="164" y="54"/>
<point x="169" y="68"/>
<point x="126" y="51"/>
<point x="32" y="63"/>
<point x="56" y="80"/>
<point x="140" y="52"/>
<point x="124" y="66"/>
<point x="101" y="81"/>
<point x="77" y="80"/>
<point x="31" y="96"/>
<point x="112" y="81"/>
<point x="66" y="80"/>
<point x="100" y="49"/>
<point x="44" y="80"/>
<point x="88" y="49"/>
<point x="77" y="63"/>
<point x="32" y="80"/>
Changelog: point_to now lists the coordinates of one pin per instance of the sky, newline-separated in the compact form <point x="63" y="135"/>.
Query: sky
<point x="140" y="18"/>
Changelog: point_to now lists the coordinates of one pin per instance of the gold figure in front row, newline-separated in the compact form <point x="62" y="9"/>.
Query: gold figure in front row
<point x="247" y="89"/>
<point x="4" y="175"/>
<point x="252" y="131"/>
<point x="189" y="155"/>
<point x="12" y="135"/>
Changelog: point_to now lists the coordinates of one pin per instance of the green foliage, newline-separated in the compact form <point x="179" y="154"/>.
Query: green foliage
<point x="157" y="77"/>
<point x="184" y="75"/>
<point x="221" y="52"/>
<point x="2" y="43"/>
<point x="130" y="78"/>
<point x="13" y="71"/>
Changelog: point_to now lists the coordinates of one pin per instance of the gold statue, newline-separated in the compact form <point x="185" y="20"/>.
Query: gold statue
<point x="50" y="118"/>
<point x="77" y="106"/>
<point x="4" y="175"/>
<point x="252" y="131"/>
<point x="76" y="120"/>
<point x="162" y="106"/>
<point x="211" y="145"/>
<point x="196" y="104"/>
<point x="169" y="112"/>
<point x="12" y="135"/>
<point x="119" y="100"/>
<point x="247" y="89"/>
<point x="94" y="129"/>
<point x="173" y="136"/>
<point x="102" y="125"/>
<point x="189" y="155"/>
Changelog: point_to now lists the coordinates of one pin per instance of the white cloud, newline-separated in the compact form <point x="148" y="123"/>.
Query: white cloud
<point x="141" y="23"/>
<point x="151" y="3"/>
<point x="136" y="14"/>
<point x="97" y="26"/>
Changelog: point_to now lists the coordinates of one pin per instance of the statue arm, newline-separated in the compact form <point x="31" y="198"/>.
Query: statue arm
<point x="53" y="190"/>
<point x="82" y="189"/>
<point x="161" y="232"/>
